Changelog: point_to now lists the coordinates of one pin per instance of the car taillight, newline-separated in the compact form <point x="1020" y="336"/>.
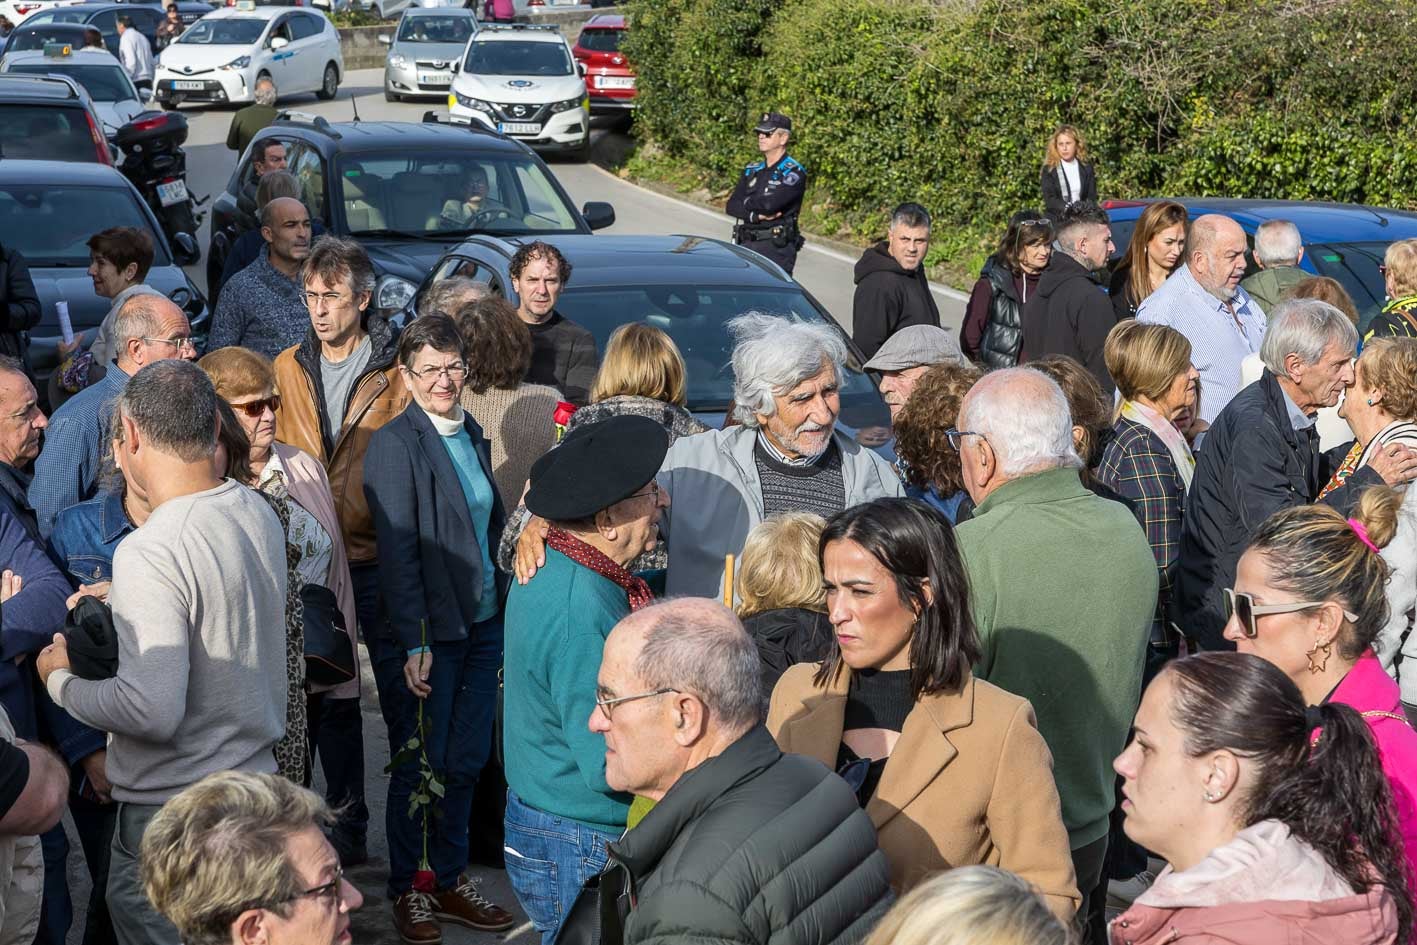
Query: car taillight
<point x="1118" y="204"/>
<point x="100" y="145"/>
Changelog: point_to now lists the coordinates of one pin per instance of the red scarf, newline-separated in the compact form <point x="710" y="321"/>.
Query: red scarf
<point x="588" y="557"/>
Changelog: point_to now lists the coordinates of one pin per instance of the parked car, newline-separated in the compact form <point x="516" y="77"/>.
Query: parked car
<point x="115" y="100"/>
<point x="402" y="190"/>
<point x="49" y="117"/>
<point x="222" y="56"/>
<point x="17" y="11"/>
<point x="610" y="82"/>
<point x="147" y="17"/>
<point x="690" y="286"/>
<point x="1342" y="241"/>
<point x="424" y="52"/>
<point x="35" y="36"/>
<point x="48" y="211"/>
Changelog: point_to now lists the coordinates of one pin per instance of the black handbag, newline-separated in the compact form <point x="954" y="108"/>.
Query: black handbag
<point x="597" y="916"/>
<point x="329" y="653"/>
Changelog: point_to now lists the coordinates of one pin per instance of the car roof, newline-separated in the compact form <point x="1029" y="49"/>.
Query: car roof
<point x="1318" y="221"/>
<point x="49" y="173"/>
<point x="354" y="137"/>
<point x="606" y="21"/>
<point x="103" y="57"/>
<point x="256" y="13"/>
<point x="493" y="33"/>
<point x="440" y="11"/>
<point x="604" y="260"/>
<point x="15" y="87"/>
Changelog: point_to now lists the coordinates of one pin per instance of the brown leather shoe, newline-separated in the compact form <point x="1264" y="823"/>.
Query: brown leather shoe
<point x="414" y="921"/>
<point x="464" y="905"/>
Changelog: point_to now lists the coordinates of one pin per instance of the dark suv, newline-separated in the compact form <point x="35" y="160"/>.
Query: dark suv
<point x="49" y="118"/>
<point x="407" y="192"/>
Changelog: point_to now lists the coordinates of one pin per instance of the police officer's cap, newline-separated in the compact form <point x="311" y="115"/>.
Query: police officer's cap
<point x="772" y="121"/>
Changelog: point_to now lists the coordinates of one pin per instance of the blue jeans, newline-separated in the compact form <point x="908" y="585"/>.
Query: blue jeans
<point x="549" y="858"/>
<point x="459" y="713"/>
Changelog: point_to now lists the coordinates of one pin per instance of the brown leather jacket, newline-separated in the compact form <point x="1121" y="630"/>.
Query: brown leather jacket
<point x="379" y="396"/>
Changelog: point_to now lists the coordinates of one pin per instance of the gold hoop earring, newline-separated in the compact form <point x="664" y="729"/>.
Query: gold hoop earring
<point x="1322" y="664"/>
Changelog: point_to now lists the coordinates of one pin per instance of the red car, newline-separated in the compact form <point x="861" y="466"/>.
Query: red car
<point x="609" y="80"/>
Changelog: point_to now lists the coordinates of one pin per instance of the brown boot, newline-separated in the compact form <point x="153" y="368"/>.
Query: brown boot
<point x="413" y="919"/>
<point x="464" y="905"/>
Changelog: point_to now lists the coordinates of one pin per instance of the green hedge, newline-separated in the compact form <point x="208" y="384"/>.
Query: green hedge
<point x="950" y="102"/>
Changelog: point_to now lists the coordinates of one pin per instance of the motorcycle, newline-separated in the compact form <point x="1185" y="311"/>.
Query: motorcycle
<point x="154" y="161"/>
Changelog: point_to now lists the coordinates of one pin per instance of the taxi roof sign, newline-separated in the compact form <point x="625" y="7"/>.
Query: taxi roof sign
<point x="246" y="5"/>
<point x="58" y="49"/>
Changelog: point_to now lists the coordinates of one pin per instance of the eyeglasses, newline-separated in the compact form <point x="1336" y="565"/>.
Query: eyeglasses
<point x="255" y="408"/>
<point x="652" y="490"/>
<point x="607" y="705"/>
<point x="332" y="892"/>
<point x="179" y="342"/>
<point x="1047" y="223"/>
<point x="954" y="436"/>
<point x="455" y="372"/>
<point x="313" y="299"/>
<point x="1243" y="607"/>
<point x="1382" y="270"/>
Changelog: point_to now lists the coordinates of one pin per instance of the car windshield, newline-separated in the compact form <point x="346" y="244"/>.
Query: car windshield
<point x="104" y="83"/>
<point x="45" y="133"/>
<point x="70" y="15"/>
<point x="1355" y="266"/>
<point x="450" y="194"/>
<point x="494" y="57"/>
<point x="51" y="223"/>
<point x="26" y="40"/>
<point x="435" y="29"/>
<point x="234" y="31"/>
<point x="598" y="40"/>
<point x="696" y="317"/>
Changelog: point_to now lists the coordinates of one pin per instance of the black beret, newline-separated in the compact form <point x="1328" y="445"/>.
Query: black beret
<point x="596" y="466"/>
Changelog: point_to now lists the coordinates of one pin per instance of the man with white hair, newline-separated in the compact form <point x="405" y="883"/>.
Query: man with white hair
<point x="1204" y="301"/>
<point x="1278" y="250"/>
<point x="1262" y="455"/>
<point x="744" y="844"/>
<point x="246" y="123"/>
<point x="447" y="296"/>
<point x="1063" y="586"/>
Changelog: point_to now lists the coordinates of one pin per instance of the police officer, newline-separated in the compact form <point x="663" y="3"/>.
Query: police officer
<point x="769" y="196"/>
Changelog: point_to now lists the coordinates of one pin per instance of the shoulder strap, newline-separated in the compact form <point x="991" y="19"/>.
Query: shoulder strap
<point x="1411" y="320"/>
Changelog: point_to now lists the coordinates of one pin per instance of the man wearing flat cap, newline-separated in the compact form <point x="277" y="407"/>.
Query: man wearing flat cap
<point x="768" y="196"/>
<point x="906" y="356"/>
<point x="598" y="492"/>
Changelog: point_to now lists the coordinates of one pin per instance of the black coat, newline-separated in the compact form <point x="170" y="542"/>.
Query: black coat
<point x="1250" y="465"/>
<point x="752" y="846"/>
<point x="1070" y="315"/>
<point x="1054" y="200"/>
<point x="785" y="637"/>
<point x="19" y="303"/>
<point x="430" y="561"/>
<point x="888" y="299"/>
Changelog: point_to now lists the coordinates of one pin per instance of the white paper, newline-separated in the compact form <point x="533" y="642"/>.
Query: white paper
<point x="65" y="326"/>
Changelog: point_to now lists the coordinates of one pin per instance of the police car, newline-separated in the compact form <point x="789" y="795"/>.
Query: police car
<point x="523" y="81"/>
<point x="115" y="100"/>
<point x="221" y="56"/>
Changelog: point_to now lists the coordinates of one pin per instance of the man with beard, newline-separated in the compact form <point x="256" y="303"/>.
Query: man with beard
<point x="563" y="353"/>
<point x="263" y="307"/>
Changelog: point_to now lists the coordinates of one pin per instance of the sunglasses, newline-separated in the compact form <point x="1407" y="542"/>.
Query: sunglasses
<point x="256" y="408"/>
<point x="1243" y="607"/>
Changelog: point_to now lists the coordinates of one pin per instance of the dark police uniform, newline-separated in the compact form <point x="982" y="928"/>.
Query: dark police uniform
<point x="763" y="191"/>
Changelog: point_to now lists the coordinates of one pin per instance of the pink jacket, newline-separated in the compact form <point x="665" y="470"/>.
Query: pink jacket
<point x="1370" y="690"/>
<point x="309" y="486"/>
<point x="1264" y="887"/>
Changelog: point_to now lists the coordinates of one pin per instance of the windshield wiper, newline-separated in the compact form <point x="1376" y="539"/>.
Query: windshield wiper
<point x="399" y="235"/>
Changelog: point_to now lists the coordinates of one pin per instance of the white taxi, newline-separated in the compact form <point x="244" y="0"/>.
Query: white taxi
<point x="221" y="56"/>
<point x="115" y="100"/>
<point x="523" y="81"/>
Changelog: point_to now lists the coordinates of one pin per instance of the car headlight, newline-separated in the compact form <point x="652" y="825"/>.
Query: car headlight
<point x="393" y="293"/>
<point x="397" y="62"/>
<point x="569" y="104"/>
<point x="475" y="103"/>
<point x="241" y="62"/>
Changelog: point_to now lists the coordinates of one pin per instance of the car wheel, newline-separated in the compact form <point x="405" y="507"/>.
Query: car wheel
<point x="330" y="85"/>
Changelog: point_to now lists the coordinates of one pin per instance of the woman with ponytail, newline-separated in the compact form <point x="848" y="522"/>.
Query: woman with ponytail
<point x="1309" y="598"/>
<point x="1275" y="820"/>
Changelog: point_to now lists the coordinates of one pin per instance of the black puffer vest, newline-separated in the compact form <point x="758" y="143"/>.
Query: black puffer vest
<point x="1003" y="332"/>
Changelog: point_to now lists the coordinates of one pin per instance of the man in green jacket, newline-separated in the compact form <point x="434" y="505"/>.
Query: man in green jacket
<point x="1063" y="585"/>
<point x="251" y="119"/>
<point x="1278" y="249"/>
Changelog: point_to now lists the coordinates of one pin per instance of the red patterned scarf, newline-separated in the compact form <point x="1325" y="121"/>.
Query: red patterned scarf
<point x="588" y="557"/>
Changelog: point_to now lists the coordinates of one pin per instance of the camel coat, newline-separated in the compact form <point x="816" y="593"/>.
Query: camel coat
<point x="970" y="781"/>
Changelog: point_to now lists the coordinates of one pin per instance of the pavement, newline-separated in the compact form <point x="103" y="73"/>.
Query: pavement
<point x="826" y="272"/>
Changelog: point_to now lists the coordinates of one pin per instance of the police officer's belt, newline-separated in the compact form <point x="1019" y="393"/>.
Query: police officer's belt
<point x="783" y="231"/>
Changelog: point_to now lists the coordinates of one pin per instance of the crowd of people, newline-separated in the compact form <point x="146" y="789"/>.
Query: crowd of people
<point x="1137" y="587"/>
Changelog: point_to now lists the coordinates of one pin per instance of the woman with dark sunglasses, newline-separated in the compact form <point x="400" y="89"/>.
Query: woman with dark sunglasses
<point x="1309" y="598"/>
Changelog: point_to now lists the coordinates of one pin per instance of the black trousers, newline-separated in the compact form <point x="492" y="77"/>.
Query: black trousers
<point x="1088" y="862"/>
<point x="784" y="256"/>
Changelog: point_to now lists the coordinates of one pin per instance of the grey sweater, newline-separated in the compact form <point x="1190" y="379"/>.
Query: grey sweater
<point x="199" y="610"/>
<point x="260" y="308"/>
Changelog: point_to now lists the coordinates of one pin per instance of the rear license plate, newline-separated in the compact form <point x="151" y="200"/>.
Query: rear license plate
<point x="519" y="128"/>
<point x="435" y="78"/>
<point x="615" y="82"/>
<point x="172" y="192"/>
<point x="189" y="84"/>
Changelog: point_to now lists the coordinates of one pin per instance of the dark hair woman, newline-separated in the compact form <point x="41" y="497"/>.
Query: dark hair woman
<point x="1278" y="831"/>
<point x="992" y="332"/>
<point x="952" y="770"/>
<point x="932" y="467"/>
<point x="1068" y="176"/>
<point x="1157" y="248"/>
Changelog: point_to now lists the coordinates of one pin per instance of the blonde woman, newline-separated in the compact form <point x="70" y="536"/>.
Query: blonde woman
<point x="1156" y="250"/>
<point x="1399" y="316"/>
<point x="641" y="372"/>
<point x="1068" y="176"/>
<point x="781" y="600"/>
<point x="971" y="905"/>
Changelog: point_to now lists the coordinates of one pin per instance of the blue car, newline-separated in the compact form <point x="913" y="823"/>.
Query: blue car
<point x="1343" y="241"/>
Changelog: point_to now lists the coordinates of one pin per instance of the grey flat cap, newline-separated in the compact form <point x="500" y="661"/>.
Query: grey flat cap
<point x="916" y="345"/>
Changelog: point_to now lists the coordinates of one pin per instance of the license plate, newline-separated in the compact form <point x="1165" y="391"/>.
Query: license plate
<point x="172" y="192"/>
<point x="519" y="128"/>
<point x="189" y="84"/>
<point x="615" y="82"/>
<point x="435" y="78"/>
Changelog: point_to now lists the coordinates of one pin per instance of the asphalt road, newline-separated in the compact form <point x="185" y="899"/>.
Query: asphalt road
<point x="824" y="271"/>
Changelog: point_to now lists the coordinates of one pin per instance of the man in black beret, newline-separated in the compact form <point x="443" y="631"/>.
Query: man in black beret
<point x="598" y="492"/>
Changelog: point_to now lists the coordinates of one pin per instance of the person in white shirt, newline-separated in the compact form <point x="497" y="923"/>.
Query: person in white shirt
<point x="1068" y="176"/>
<point x="136" y="53"/>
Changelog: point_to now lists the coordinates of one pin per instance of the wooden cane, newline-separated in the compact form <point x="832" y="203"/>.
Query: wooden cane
<point x="728" y="581"/>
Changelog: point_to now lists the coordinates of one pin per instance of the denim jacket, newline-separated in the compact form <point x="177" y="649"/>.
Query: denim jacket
<point x="86" y="535"/>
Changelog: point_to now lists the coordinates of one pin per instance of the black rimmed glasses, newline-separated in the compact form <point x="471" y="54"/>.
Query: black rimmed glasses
<point x="330" y="893"/>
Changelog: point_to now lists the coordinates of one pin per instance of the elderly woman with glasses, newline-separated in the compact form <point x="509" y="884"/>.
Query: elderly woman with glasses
<point x="438" y="639"/>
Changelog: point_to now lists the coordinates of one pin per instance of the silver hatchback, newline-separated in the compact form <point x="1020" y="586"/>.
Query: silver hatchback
<point x="425" y="52"/>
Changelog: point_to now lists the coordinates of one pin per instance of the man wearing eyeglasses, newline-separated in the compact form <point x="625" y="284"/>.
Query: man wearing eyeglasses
<point x="768" y="196"/>
<point x="262" y="307"/>
<point x="148" y="328"/>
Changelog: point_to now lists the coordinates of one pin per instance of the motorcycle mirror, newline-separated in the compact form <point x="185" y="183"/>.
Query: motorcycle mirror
<point x="187" y="252"/>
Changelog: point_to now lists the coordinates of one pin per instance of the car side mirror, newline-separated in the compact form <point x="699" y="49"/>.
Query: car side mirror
<point x="386" y="40"/>
<point x="580" y="65"/>
<point x="279" y="42"/>
<point x="187" y="252"/>
<point x="457" y="66"/>
<point x="598" y="214"/>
